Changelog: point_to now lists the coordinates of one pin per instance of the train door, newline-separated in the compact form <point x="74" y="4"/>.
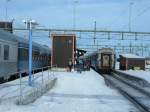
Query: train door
<point x="106" y="58"/>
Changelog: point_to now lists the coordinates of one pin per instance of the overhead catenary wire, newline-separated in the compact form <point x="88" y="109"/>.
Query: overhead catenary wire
<point x="101" y="36"/>
<point x="138" y="15"/>
<point x="118" y="17"/>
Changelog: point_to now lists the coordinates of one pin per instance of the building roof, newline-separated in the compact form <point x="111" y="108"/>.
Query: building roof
<point x="132" y="56"/>
<point x="4" y="35"/>
<point x="59" y="35"/>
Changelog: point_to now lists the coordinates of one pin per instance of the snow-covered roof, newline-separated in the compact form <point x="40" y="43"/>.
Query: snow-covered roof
<point x="132" y="56"/>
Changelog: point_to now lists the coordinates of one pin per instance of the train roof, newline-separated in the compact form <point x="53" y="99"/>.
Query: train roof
<point x="23" y="42"/>
<point x="133" y="56"/>
<point x="7" y="36"/>
<point x="106" y="50"/>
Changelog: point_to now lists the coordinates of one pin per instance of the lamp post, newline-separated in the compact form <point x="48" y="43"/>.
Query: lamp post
<point x="30" y="24"/>
<point x="130" y="14"/>
<point x="94" y="31"/>
<point x="74" y="14"/>
<point x="6" y="9"/>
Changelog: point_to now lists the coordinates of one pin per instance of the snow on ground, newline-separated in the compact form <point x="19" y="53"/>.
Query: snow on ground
<point x="117" y="65"/>
<point x="148" y="67"/>
<point x="74" y="92"/>
<point x="139" y="73"/>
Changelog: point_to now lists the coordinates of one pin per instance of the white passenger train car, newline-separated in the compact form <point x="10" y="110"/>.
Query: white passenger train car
<point x="106" y="60"/>
<point x="8" y="54"/>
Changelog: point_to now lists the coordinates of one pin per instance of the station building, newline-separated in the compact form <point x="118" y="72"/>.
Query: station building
<point x="131" y="61"/>
<point x="63" y="49"/>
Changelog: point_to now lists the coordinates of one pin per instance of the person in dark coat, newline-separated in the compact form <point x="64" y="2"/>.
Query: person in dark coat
<point x="88" y="64"/>
<point x="70" y="65"/>
<point x="80" y="66"/>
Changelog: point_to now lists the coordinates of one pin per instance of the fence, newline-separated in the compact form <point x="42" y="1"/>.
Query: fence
<point x="19" y="91"/>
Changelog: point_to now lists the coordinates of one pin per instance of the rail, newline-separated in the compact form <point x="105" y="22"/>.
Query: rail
<point x="131" y="78"/>
<point x="133" y="85"/>
<point x="136" y="95"/>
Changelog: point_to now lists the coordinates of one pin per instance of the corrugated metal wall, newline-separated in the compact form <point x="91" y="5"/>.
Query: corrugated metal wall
<point x="136" y="63"/>
<point x="63" y="47"/>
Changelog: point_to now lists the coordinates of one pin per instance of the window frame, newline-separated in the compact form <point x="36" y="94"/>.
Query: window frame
<point x="6" y="52"/>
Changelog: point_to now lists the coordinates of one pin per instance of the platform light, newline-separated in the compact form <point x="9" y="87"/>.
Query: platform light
<point x="30" y="24"/>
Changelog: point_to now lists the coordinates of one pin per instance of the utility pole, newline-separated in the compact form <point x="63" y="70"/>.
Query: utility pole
<point x="94" y="31"/>
<point x="123" y="49"/>
<point x="142" y="49"/>
<point x="74" y="13"/>
<point x="130" y="47"/>
<point x="130" y="14"/>
<point x="115" y="48"/>
<point x="6" y="10"/>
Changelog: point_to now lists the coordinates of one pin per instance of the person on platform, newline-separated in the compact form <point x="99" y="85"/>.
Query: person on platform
<point x="70" y="65"/>
<point x="80" y="66"/>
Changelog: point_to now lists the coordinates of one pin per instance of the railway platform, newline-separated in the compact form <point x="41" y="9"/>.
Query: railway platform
<point x="75" y="92"/>
<point x="20" y="93"/>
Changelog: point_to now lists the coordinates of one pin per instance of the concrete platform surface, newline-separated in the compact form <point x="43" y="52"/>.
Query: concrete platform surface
<point x="75" y="92"/>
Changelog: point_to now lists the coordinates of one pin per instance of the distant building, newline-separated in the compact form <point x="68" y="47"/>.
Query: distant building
<point x="131" y="61"/>
<point x="8" y="26"/>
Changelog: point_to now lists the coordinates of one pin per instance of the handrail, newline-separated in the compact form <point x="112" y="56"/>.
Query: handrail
<point x="26" y="71"/>
<point x="22" y="84"/>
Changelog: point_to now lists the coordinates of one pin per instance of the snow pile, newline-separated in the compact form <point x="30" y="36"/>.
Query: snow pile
<point x="84" y="83"/>
<point x="85" y="92"/>
<point x="139" y="73"/>
<point x="147" y="67"/>
<point x="117" y="65"/>
<point x="35" y="92"/>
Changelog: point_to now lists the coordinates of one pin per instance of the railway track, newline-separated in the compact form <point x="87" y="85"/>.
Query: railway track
<point x="137" y="95"/>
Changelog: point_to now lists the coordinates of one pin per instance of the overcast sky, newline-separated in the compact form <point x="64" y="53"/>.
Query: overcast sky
<point x="109" y="14"/>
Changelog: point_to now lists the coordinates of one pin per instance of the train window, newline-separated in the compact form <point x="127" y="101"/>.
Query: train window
<point x="0" y="50"/>
<point x="33" y="57"/>
<point x="21" y="53"/>
<point x="6" y="52"/>
<point x="26" y="53"/>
